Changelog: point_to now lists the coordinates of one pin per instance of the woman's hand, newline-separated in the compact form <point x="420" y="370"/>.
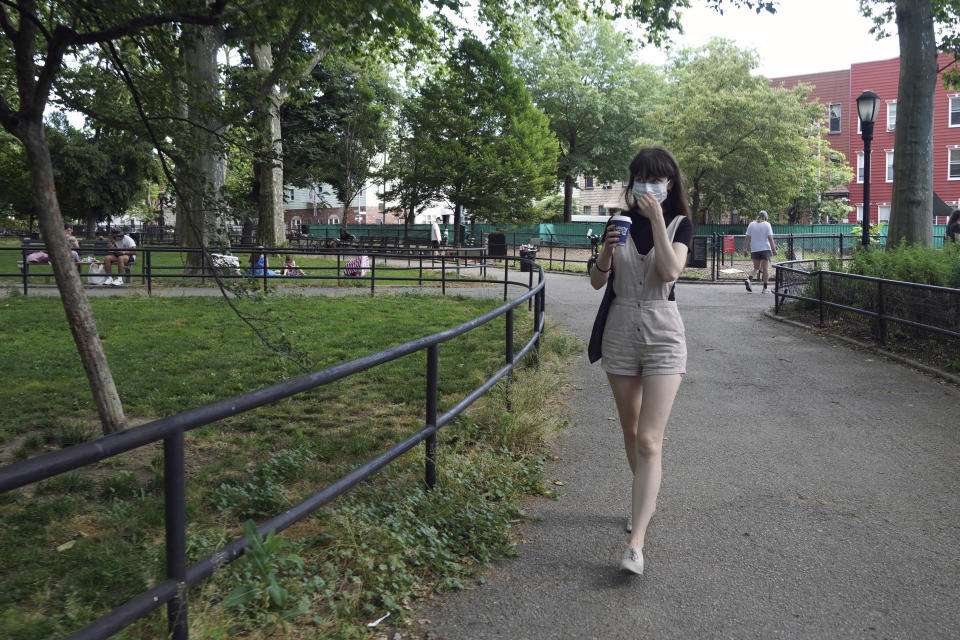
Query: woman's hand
<point x="649" y="207"/>
<point x="611" y="239"/>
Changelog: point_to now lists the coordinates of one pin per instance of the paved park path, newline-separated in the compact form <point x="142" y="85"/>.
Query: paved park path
<point x="810" y="490"/>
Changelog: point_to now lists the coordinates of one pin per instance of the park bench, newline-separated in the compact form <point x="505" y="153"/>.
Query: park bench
<point x="95" y="248"/>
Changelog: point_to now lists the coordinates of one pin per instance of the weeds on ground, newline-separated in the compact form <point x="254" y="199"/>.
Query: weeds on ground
<point x="373" y="552"/>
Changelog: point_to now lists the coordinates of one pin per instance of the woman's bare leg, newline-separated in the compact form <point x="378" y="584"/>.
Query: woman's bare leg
<point x="628" y="395"/>
<point x="659" y="394"/>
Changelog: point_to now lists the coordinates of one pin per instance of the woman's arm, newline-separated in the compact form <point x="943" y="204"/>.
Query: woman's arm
<point x="670" y="257"/>
<point x="600" y="271"/>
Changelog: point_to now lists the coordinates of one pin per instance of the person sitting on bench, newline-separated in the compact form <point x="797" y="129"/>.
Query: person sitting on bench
<point x="121" y="253"/>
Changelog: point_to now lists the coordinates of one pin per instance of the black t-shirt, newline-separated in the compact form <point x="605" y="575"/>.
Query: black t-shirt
<point x="953" y="231"/>
<point x="642" y="232"/>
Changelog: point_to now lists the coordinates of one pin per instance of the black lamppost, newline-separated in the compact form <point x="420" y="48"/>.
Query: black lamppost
<point x="867" y="105"/>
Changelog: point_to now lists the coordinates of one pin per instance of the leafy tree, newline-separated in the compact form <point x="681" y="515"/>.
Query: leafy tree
<point x="595" y="96"/>
<point x="16" y="203"/>
<point x="490" y="150"/>
<point x="404" y="173"/>
<point x="98" y="174"/>
<point x="919" y="23"/>
<point x="740" y="142"/>
<point x="334" y="137"/>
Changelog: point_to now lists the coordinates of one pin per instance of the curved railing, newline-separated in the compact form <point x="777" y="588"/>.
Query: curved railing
<point x="171" y="429"/>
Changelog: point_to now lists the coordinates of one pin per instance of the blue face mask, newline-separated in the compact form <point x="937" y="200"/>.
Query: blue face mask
<point x="657" y="189"/>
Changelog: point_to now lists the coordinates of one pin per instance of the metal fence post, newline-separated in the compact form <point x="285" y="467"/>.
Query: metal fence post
<point x="373" y="272"/>
<point x="509" y="355"/>
<point x="148" y="267"/>
<point x="430" y="444"/>
<point x="506" y="274"/>
<point x="175" y="516"/>
<point x="820" y="295"/>
<point x="443" y="273"/>
<point x="881" y="336"/>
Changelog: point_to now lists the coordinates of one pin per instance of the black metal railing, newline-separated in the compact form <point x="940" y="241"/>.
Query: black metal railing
<point x="433" y="266"/>
<point x="180" y="577"/>
<point x="893" y="308"/>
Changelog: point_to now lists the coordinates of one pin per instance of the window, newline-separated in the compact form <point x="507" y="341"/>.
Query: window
<point x="860" y="167"/>
<point x="883" y="213"/>
<point x="953" y="172"/>
<point x="291" y="193"/>
<point x="835" y="117"/>
<point x="588" y="182"/>
<point x="889" y="166"/>
<point x="859" y="213"/>
<point x="586" y="210"/>
<point x="601" y="210"/>
<point x="891" y="115"/>
<point x="955" y="111"/>
<point x="295" y="223"/>
<point x="333" y="220"/>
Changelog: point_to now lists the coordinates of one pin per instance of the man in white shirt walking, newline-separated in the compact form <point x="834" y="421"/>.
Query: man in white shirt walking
<point x="760" y="245"/>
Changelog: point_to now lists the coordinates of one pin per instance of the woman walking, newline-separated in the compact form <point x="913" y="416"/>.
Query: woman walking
<point x="638" y="331"/>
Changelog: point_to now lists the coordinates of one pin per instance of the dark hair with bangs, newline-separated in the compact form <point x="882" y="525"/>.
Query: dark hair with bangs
<point x="657" y="162"/>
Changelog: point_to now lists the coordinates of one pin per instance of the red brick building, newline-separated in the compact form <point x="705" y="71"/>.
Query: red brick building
<point x="838" y="91"/>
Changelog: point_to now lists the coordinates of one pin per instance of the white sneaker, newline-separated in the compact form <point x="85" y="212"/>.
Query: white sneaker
<point x="632" y="561"/>
<point x="107" y="281"/>
<point x="118" y="282"/>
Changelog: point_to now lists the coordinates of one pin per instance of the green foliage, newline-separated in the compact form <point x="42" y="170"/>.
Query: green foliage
<point x="260" y="595"/>
<point x="262" y="491"/>
<point x="490" y="150"/>
<point x="742" y="144"/>
<point x="333" y="136"/>
<point x="910" y="263"/>
<point x="594" y="94"/>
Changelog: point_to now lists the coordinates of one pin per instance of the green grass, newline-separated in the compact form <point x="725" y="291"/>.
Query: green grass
<point x="169" y="354"/>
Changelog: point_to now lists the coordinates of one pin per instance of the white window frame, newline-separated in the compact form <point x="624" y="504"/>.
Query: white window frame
<point x="333" y="220"/>
<point x="881" y="208"/>
<point x="953" y="163"/>
<point x="295" y="223"/>
<point x="601" y="210"/>
<point x="953" y="110"/>
<point x="891" y="115"/>
<point x="859" y="167"/>
<point x="859" y="213"/>
<point x="587" y="183"/>
<point x="586" y="210"/>
<point x="889" y="166"/>
<point x="839" y="117"/>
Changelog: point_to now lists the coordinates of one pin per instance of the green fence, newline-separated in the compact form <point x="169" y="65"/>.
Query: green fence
<point x="575" y="233"/>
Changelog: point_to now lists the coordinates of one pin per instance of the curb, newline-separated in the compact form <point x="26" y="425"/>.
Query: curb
<point x="940" y="373"/>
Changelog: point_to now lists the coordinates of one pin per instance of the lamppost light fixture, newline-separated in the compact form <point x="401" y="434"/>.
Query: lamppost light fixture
<point x="868" y="103"/>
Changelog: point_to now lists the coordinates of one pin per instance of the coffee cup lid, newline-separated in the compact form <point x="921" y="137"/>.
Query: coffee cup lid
<point x="619" y="218"/>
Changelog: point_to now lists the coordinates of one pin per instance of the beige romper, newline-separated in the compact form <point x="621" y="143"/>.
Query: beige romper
<point x="644" y="333"/>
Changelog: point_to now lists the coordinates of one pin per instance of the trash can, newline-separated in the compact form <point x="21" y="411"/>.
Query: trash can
<point x="496" y="245"/>
<point x="530" y="254"/>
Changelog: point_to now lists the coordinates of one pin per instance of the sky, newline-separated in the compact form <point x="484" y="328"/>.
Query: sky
<point x="803" y="36"/>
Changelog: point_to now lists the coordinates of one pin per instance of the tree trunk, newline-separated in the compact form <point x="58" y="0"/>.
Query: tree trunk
<point x="270" y="230"/>
<point x="911" y="212"/>
<point x="75" y="302"/>
<point x="202" y="177"/>
<point x="567" y="198"/>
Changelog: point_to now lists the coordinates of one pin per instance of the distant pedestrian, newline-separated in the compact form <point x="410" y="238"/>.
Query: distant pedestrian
<point x="435" y="235"/>
<point x="953" y="225"/>
<point x="759" y="245"/>
<point x="638" y="331"/>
